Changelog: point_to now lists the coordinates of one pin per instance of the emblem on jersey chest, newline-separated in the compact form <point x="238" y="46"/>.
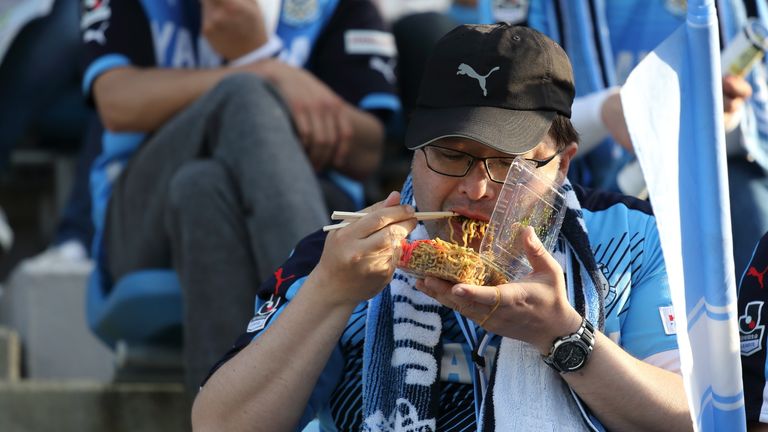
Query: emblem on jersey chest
<point x="677" y="7"/>
<point x="299" y="12"/>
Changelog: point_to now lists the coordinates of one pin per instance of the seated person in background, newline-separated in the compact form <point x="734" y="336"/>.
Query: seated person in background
<point x="752" y="313"/>
<point x="362" y="346"/>
<point x="217" y="170"/>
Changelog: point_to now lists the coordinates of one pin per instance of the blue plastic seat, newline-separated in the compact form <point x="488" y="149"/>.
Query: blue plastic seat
<point x="142" y="308"/>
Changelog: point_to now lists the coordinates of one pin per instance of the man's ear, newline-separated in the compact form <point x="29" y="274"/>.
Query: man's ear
<point x="566" y="156"/>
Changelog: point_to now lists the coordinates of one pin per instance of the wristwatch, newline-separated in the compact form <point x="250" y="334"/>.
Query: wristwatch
<point x="570" y="353"/>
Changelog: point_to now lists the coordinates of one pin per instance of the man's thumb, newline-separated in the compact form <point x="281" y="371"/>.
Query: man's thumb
<point x="537" y="254"/>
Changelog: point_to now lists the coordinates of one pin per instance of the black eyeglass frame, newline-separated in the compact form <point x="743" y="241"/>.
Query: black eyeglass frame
<point x="538" y="163"/>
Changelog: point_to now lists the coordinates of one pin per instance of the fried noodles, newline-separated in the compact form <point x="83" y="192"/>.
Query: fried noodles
<point x="470" y="229"/>
<point x="450" y="261"/>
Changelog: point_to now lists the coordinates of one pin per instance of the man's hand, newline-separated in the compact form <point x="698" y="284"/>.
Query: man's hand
<point x="321" y="117"/>
<point x="357" y="260"/>
<point x="534" y="309"/>
<point x="736" y="90"/>
<point x="233" y="27"/>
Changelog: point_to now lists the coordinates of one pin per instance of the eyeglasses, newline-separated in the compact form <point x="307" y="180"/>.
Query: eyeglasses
<point x="455" y="163"/>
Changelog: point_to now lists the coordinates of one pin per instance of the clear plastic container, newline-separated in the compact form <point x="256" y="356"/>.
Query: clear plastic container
<point x="526" y="199"/>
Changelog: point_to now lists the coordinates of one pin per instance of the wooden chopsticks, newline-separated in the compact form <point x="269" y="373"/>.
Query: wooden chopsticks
<point x="347" y="217"/>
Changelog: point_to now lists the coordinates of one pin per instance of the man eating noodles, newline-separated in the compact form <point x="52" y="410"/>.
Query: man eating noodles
<point x="584" y="342"/>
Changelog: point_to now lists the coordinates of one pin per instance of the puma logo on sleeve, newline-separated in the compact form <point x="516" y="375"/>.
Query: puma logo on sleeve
<point x="758" y="275"/>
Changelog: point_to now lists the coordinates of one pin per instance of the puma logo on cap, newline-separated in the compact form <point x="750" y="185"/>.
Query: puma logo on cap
<point x="465" y="69"/>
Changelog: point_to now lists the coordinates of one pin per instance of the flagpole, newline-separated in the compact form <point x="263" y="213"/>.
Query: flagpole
<point x="710" y="287"/>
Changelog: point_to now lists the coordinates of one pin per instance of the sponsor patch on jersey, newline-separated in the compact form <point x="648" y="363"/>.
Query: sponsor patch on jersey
<point x="300" y="12"/>
<point x="369" y="42"/>
<point x="265" y="312"/>
<point x="751" y="328"/>
<point x="668" y="319"/>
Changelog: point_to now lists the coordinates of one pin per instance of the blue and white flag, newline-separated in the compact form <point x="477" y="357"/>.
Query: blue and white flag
<point x="673" y="106"/>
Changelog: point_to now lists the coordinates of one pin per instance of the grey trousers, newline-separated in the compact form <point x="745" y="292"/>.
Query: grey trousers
<point x="222" y="193"/>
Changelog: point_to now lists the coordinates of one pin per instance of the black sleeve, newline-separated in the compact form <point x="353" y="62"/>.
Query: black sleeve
<point x="276" y="292"/>
<point x="753" y="293"/>
<point x="114" y="27"/>
<point x="355" y="55"/>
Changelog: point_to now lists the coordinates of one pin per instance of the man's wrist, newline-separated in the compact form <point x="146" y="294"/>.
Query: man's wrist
<point x="568" y="324"/>
<point x="330" y="295"/>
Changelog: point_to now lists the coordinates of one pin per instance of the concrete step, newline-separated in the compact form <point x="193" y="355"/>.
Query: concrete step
<point x="48" y="312"/>
<point x="90" y="406"/>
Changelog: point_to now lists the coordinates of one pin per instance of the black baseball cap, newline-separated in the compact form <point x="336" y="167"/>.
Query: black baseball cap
<point x="497" y="84"/>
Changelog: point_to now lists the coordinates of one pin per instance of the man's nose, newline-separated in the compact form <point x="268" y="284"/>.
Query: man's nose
<point x="477" y="185"/>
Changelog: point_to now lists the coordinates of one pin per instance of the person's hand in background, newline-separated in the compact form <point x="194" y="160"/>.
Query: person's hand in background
<point x="321" y="117"/>
<point x="736" y="90"/>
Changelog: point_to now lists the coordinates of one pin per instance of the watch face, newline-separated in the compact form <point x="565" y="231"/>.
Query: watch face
<point x="570" y="356"/>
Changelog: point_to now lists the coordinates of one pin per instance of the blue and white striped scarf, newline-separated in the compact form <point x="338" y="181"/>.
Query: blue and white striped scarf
<point x="402" y="352"/>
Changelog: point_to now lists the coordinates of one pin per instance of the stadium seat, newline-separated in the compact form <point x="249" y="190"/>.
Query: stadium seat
<point x="142" y="308"/>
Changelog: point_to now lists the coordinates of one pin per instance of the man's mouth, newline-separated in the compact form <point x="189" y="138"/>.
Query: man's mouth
<point x="466" y="231"/>
<point x="466" y="214"/>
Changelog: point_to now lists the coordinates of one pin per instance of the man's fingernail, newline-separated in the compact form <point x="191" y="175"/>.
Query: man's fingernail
<point x="460" y="291"/>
